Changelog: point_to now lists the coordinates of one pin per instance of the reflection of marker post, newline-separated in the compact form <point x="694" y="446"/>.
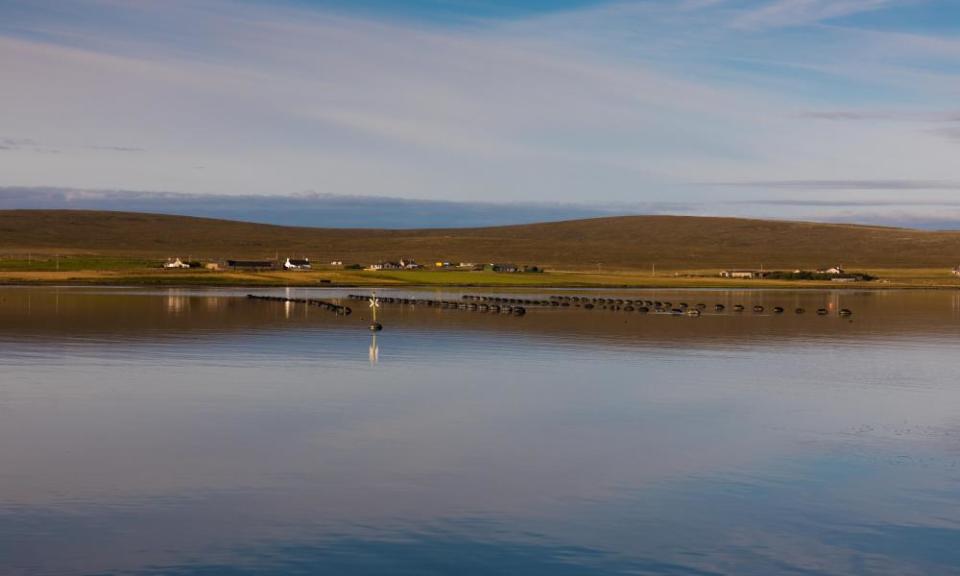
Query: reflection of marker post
<point x="374" y="349"/>
<point x="374" y="304"/>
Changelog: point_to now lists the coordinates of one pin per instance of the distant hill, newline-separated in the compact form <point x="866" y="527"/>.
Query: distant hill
<point x="671" y="242"/>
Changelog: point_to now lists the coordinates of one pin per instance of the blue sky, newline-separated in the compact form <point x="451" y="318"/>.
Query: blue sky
<point x="826" y="109"/>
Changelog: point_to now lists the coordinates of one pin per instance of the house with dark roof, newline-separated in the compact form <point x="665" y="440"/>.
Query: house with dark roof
<point x="297" y="264"/>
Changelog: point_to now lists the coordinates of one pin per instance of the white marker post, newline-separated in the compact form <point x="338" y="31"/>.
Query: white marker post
<point x="374" y="304"/>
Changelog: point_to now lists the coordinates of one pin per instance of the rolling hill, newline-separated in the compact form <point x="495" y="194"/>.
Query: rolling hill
<point x="628" y="242"/>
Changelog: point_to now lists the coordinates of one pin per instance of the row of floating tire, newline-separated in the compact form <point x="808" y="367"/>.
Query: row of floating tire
<point x="642" y="306"/>
<point x="504" y="305"/>
<point x="496" y="308"/>
<point x="322" y="304"/>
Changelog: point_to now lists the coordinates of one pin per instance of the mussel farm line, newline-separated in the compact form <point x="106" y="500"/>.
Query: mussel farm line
<point x="322" y="304"/>
<point x="518" y="306"/>
<point x="500" y="307"/>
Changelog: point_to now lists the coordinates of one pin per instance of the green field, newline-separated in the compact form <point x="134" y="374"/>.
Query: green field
<point x="47" y="263"/>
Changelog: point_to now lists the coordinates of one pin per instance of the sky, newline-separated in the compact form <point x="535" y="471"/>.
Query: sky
<point x="843" y="110"/>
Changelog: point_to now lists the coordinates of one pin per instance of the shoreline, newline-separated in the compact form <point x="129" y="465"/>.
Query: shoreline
<point x="560" y="280"/>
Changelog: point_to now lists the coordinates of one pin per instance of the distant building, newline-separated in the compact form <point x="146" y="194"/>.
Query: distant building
<point x="250" y="264"/>
<point x="297" y="264"/>
<point x="176" y="263"/>
<point x="956" y="271"/>
<point x="439" y="264"/>
<point x="836" y="270"/>
<point x="336" y="263"/>
<point x="750" y="274"/>
<point x="501" y="267"/>
<point x="403" y="264"/>
<point x="384" y="266"/>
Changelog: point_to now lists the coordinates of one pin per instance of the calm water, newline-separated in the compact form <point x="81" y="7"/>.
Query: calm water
<point x="192" y="432"/>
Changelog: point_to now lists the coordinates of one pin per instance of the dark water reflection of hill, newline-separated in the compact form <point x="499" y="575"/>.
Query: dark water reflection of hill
<point x="154" y="315"/>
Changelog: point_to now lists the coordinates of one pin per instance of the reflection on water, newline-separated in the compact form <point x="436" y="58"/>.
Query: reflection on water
<point x="198" y="432"/>
<point x="374" y="349"/>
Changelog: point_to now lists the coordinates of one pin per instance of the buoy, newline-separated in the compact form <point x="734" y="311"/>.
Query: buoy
<point x="376" y="327"/>
<point x="846" y="312"/>
<point x="822" y="311"/>
<point x="799" y="310"/>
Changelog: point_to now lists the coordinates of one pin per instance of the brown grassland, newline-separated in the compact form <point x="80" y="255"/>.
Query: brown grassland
<point x="62" y="246"/>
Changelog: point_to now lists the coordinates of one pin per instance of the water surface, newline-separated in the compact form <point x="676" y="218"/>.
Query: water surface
<point x="198" y="432"/>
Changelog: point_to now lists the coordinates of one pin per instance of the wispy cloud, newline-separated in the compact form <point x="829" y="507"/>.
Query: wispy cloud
<point x="845" y="184"/>
<point x="117" y="148"/>
<point x="949" y="132"/>
<point x="849" y="203"/>
<point x="788" y="13"/>
<point x="35" y="146"/>
<point x="16" y="143"/>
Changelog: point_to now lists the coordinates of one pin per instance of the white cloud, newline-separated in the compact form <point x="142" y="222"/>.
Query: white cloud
<point x="619" y="103"/>
<point x="786" y="13"/>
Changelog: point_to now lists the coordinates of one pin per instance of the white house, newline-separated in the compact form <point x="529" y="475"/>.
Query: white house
<point x="177" y="263"/>
<point x="742" y="274"/>
<point x="297" y="264"/>
<point x="336" y="263"/>
<point x="835" y="270"/>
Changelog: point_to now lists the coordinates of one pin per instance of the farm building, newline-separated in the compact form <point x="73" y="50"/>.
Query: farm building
<point x="176" y="263"/>
<point x="297" y="264"/>
<point x="743" y="274"/>
<point x="384" y="266"/>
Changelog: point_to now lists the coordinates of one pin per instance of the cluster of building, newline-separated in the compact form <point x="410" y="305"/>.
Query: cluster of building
<point x="402" y="264"/>
<point x="304" y="264"/>
<point x="834" y="271"/>
<point x="288" y="264"/>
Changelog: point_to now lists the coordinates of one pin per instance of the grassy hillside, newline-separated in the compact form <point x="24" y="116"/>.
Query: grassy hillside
<point x="630" y="242"/>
